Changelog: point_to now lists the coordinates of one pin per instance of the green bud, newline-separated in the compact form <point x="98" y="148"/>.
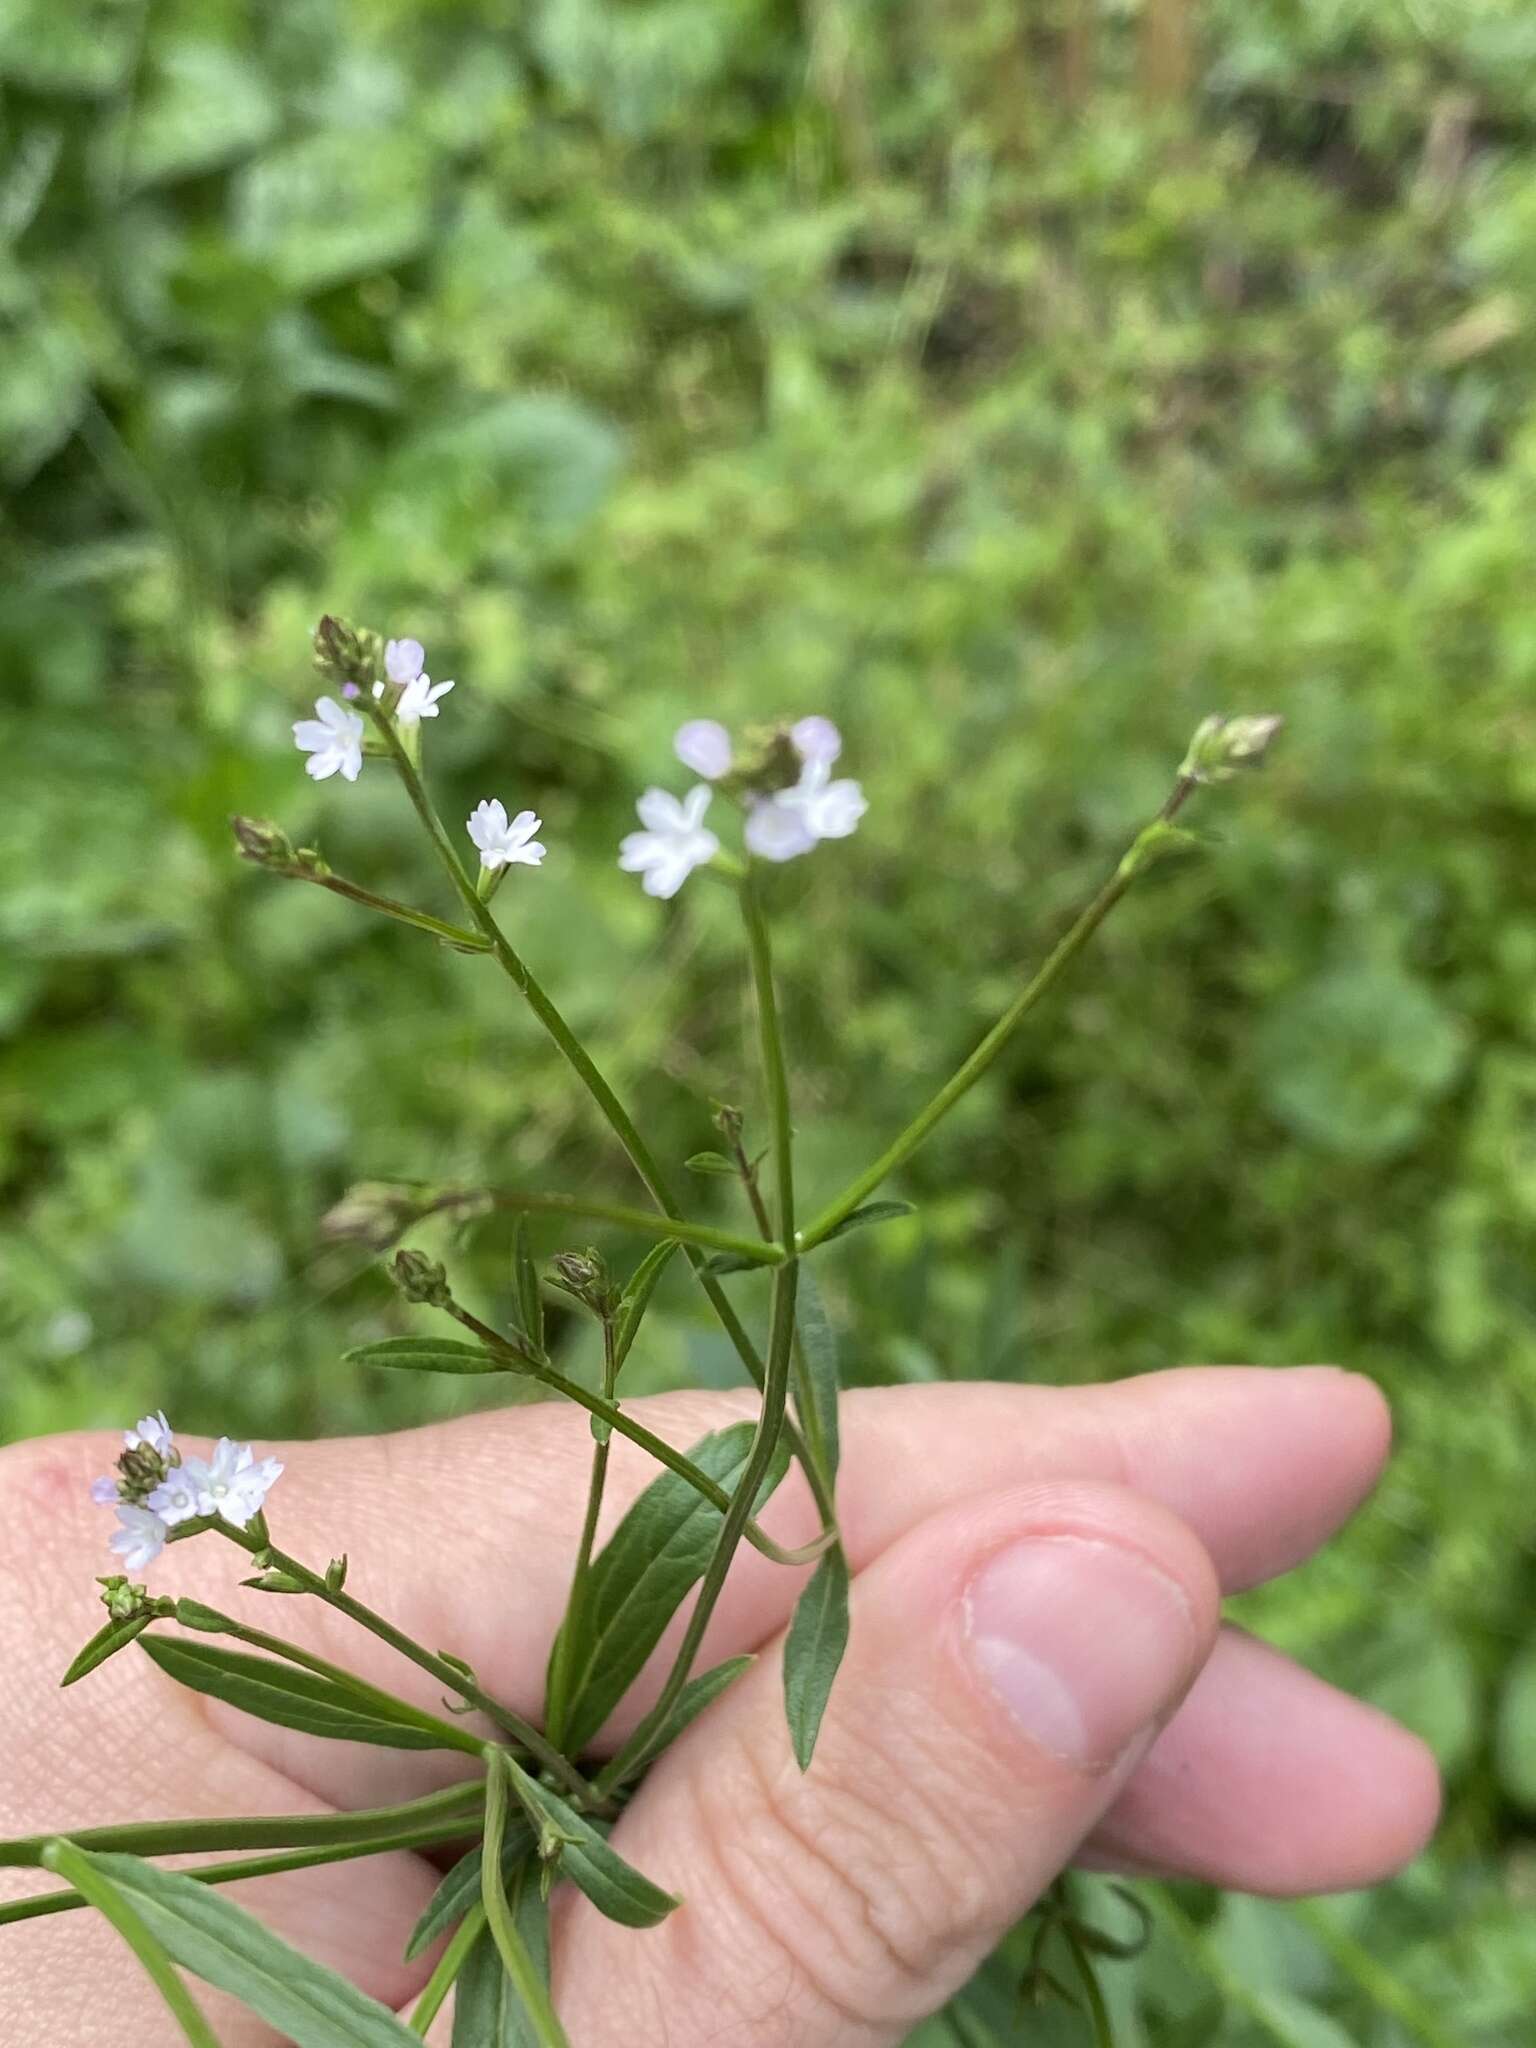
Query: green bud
<point x="374" y="1213"/>
<point x="336" y="1573"/>
<point x="261" y="841"/>
<point x="125" y="1602"/>
<point x="275" y="1582"/>
<point x="766" y="761"/>
<point x="345" y="653"/>
<point x="421" y="1279"/>
<point x="1222" y="746"/>
<point x="584" y="1275"/>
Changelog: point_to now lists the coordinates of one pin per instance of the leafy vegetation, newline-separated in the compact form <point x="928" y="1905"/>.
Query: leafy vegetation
<point x="908" y="365"/>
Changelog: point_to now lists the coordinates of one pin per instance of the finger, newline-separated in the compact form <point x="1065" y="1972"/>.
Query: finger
<point x="126" y="1746"/>
<point x="1261" y="1464"/>
<point x="1010" y="1660"/>
<point x="1269" y="1780"/>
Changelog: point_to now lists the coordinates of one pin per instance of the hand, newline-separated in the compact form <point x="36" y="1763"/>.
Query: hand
<point x="1037" y="1675"/>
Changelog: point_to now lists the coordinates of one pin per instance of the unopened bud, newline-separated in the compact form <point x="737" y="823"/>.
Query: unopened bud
<point x="421" y="1279"/>
<point x="336" y="1574"/>
<point x="768" y="760"/>
<point x="585" y="1275"/>
<point x="729" y="1123"/>
<point x="374" y="1213"/>
<point x="1221" y="746"/>
<point x="343" y="653"/>
<point x="125" y="1602"/>
<point x="262" y="841"/>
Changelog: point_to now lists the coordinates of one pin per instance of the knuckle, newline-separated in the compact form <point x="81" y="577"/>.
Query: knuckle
<point x="862" y="1877"/>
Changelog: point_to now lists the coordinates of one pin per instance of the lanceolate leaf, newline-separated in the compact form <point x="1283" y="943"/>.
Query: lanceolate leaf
<point x="695" y="1696"/>
<point x="818" y="1348"/>
<point x="294" y="1698"/>
<point x="212" y="1937"/>
<point x="530" y="1302"/>
<point x="487" y="2011"/>
<point x="460" y="1889"/>
<point x="636" y="1298"/>
<point x="872" y="1212"/>
<point x="107" y="1641"/>
<point x="652" y="1562"/>
<point x="818" y="1636"/>
<point x="430" y="1354"/>
<point x="615" y="1887"/>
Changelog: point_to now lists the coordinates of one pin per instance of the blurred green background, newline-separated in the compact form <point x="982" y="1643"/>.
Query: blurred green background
<point x="1013" y="383"/>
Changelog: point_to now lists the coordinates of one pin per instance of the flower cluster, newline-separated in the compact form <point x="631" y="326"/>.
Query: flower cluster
<point x="782" y="822"/>
<point x="155" y="1488"/>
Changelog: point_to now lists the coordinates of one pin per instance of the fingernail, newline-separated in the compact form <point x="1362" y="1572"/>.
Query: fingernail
<point x="1084" y="1642"/>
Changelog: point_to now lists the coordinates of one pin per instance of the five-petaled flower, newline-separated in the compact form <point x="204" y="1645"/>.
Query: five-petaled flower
<point x="503" y="842"/>
<point x="140" y="1539"/>
<point x="674" y="842"/>
<point x="155" y="1489"/>
<point x="233" y="1484"/>
<point x="791" y="821"/>
<point x="333" y="740"/>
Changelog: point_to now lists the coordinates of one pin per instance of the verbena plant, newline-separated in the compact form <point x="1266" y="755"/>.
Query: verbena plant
<point x="541" y="1799"/>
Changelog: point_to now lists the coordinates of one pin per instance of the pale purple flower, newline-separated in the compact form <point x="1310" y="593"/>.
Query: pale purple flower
<point x="418" y="700"/>
<point x="674" y="841"/>
<point x="333" y="740"/>
<point x="175" y="1498"/>
<point x="104" y="1491"/>
<point x="704" y="746"/>
<point x="232" y="1483"/>
<point x="404" y="660"/>
<point x="140" y="1538"/>
<point x="503" y="842"/>
<point x="153" y="1432"/>
<point x="816" y="739"/>
<point x="830" y="810"/>
<point x="775" y="832"/>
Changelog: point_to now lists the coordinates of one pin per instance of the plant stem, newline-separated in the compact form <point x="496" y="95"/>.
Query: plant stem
<point x="569" y="1644"/>
<point x="98" y="1891"/>
<point x="970" y="1071"/>
<point x="658" y="1447"/>
<point x="386" y="906"/>
<point x="519" y="1965"/>
<point x="444" y="1672"/>
<point x="775" y="1073"/>
<point x="450" y="1963"/>
<point x="425" y="1837"/>
<point x="770" y="1424"/>
<point x="650" y="1222"/>
<point x="262" y="1831"/>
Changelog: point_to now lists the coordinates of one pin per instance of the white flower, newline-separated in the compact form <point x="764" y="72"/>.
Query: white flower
<point x="830" y="810"/>
<point x="673" y="843"/>
<point x="153" y="1432"/>
<point x="231" y="1483"/>
<point x="418" y="700"/>
<point x="333" y="740"/>
<point x="775" y="832"/>
<point x="140" y="1539"/>
<point x="503" y="844"/>
<point x="175" y="1498"/>
<point x="404" y="660"/>
<point x="705" y="747"/>
<point x="792" y="821"/>
<point x="104" y="1491"/>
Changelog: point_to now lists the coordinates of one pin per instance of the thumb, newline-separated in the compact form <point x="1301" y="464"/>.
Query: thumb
<point x="1010" y="1662"/>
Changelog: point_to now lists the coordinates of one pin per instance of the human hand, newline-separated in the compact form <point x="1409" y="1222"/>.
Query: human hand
<point x="1036" y="1675"/>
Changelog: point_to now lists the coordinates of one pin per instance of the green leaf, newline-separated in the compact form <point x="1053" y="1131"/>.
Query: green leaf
<point x="292" y="1698"/>
<point x="213" y="1938"/>
<point x="714" y="1163"/>
<point x="322" y="209"/>
<point x="1515" y="1750"/>
<point x="818" y="1636"/>
<point x="872" y="1212"/>
<point x="460" y="1889"/>
<point x="647" y="1569"/>
<point x="818" y="1348"/>
<point x="615" y="1887"/>
<point x="732" y="1262"/>
<point x="95" y="1887"/>
<point x="696" y="1695"/>
<point x="530" y="1299"/>
<point x="636" y="1298"/>
<point x="487" y="2012"/>
<point x="107" y="1641"/>
<point x="429" y="1354"/>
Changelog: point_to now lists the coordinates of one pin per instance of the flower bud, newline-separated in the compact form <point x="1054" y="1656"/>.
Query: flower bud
<point x="421" y="1279"/>
<point x="584" y="1275"/>
<point x="125" y="1602"/>
<point x="261" y="841"/>
<point x="1221" y="746"/>
<point x="345" y="653"/>
<point x="374" y="1213"/>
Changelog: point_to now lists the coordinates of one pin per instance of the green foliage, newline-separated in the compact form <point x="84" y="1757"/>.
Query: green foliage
<point x="645" y="362"/>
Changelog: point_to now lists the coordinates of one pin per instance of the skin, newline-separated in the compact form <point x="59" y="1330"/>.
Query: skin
<point x="827" y="1911"/>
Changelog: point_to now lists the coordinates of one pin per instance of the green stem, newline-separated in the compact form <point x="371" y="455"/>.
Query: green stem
<point x="971" y="1070"/>
<point x="263" y="1831"/>
<point x="68" y="1862"/>
<point x="1098" y="2011"/>
<point x="43" y="1905"/>
<point x="276" y="1646"/>
<point x="386" y="906"/>
<point x="451" y="1962"/>
<point x="770" y="1424"/>
<point x="569" y="1640"/>
<point x="625" y="1425"/>
<point x="646" y="1221"/>
<point x="775" y="1072"/>
<point x="440" y="1668"/>
<point x="519" y="1965"/>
